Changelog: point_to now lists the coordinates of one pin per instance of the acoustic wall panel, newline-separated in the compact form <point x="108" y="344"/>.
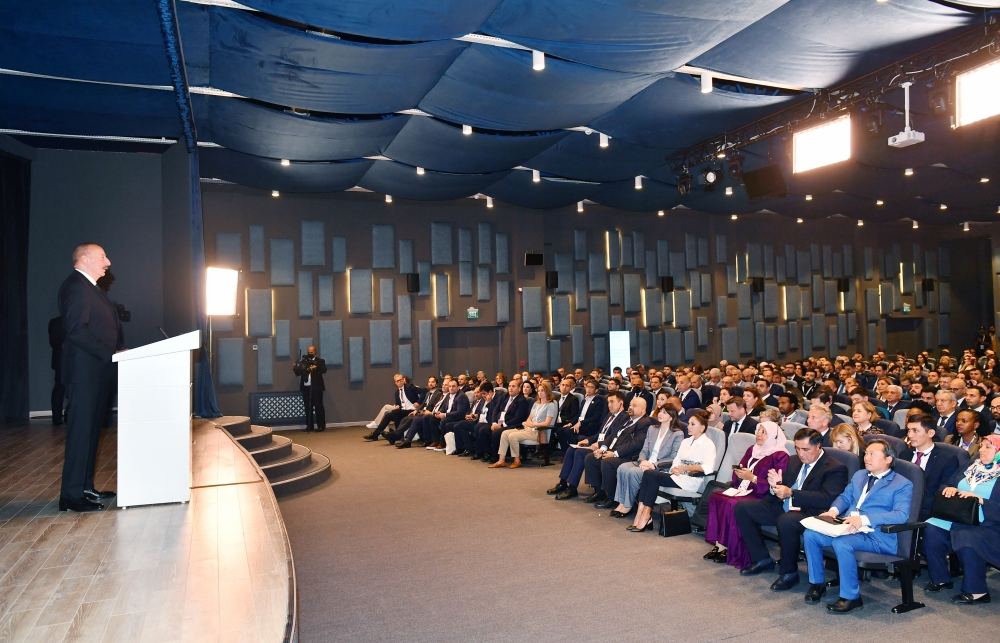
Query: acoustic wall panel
<point x="331" y="341"/>
<point x="668" y="308"/>
<point x="613" y="249"/>
<point x="602" y="357"/>
<point x="305" y="294"/>
<point x="531" y="307"/>
<point x="872" y="304"/>
<point x="701" y="327"/>
<point x="818" y="324"/>
<point x="850" y="297"/>
<point x="404" y="317"/>
<point x="303" y="345"/>
<point x="677" y="270"/>
<point x="580" y="245"/>
<point x="944" y="329"/>
<point x="383" y="246"/>
<point x="682" y="308"/>
<point x="720" y="249"/>
<point x="842" y="330"/>
<point x="791" y="271"/>
<point x="503" y="253"/>
<point x="931" y="265"/>
<point x="827" y="261"/>
<point x="817" y="292"/>
<point x="732" y="285"/>
<point x="706" y="289"/>
<point x="404" y="354"/>
<point x="907" y="279"/>
<point x="768" y="257"/>
<point x="897" y="299"/>
<point x="555" y="354"/>
<point x="652" y="280"/>
<point x="831" y="337"/>
<point x="721" y="310"/>
<point x="464" y="244"/>
<point x="615" y="289"/>
<point x="702" y="252"/>
<point x="944" y="297"/>
<point x="564" y="268"/>
<point x="360" y="300"/>
<point x="838" y="265"/>
<point x="868" y="263"/>
<point x="657" y="346"/>
<point x="283" y="338"/>
<point x="852" y="326"/>
<point x="673" y="346"/>
<point x="770" y="300"/>
<point x="424" y="274"/>
<point x="803" y="267"/>
<point x="793" y="301"/>
<point x="932" y="300"/>
<point x="885" y="297"/>
<point x="779" y="269"/>
<point x="689" y="348"/>
<point x="338" y="254"/>
<point x="793" y="335"/>
<point x="538" y="351"/>
<point x="441" y="252"/>
<point x="807" y="339"/>
<point x="633" y="331"/>
<point x="598" y="315"/>
<point x="256" y="248"/>
<point x="406" y="260"/>
<point x="690" y="251"/>
<point x="662" y="258"/>
<point x="483" y="279"/>
<point x="831" y="299"/>
<point x="770" y="342"/>
<point x="324" y="294"/>
<point x="265" y="361"/>
<point x="442" y="294"/>
<point x="644" y="347"/>
<point x="782" y="339"/>
<point x="465" y="279"/>
<point x="580" y="289"/>
<point x="484" y="243"/>
<point x="633" y="293"/>
<point x="652" y="308"/>
<point x="755" y="260"/>
<point x="559" y="315"/>
<point x="744" y="308"/>
<point x="597" y="274"/>
<point x="617" y="322"/>
<point x="312" y="235"/>
<point x="229" y="250"/>
<point x="380" y="342"/>
<point x="503" y="302"/>
<point x="425" y="341"/>
<point x="759" y="340"/>
<point x="229" y="361"/>
<point x="639" y="249"/>
<point x="282" y="262"/>
<point x="745" y="334"/>
<point x="356" y="359"/>
<point x="694" y="285"/>
<point x="872" y="337"/>
<point x="576" y="342"/>
<point x="730" y="345"/>
<point x="259" y="313"/>
<point x="386" y="296"/>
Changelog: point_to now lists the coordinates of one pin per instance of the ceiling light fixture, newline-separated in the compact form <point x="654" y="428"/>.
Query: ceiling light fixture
<point x="965" y="227"/>
<point x="489" y="202"/>
<point x="734" y="217"/>
<point x="579" y="206"/>
<point x="916" y="224"/>
<point x="711" y="177"/>
<point x="908" y="171"/>
<point x="799" y="220"/>
<point x="977" y="93"/>
<point x="388" y="198"/>
<point x="822" y="145"/>
<point x="684" y="182"/>
<point x="275" y="193"/>
<point x="729" y="190"/>
<point x="638" y="182"/>
<point x="861" y="223"/>
<point x="467" y="130"/>
<point x="720" y="155"/>
<point x="984" y="179"/>
<point x="537" y="60"/>
<point x="285" y="162"/>
<point x="706" y="82"/>
<point x="660" y="213"/>
<point x="879" y="202"/>
<point x="536" y="176"/>
<point x="943" y="207"/>
<point x="603" y="138"/>
<point x="809" y="197"/>
<point x="420" y="171"/>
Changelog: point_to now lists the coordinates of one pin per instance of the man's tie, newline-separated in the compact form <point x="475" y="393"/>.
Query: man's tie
<point x="871" y="481"/>
<point x="736" y="427"/>
<point x="941" y="421"/>
<point x="803" y="474"/>
<point x="920" y="457"/>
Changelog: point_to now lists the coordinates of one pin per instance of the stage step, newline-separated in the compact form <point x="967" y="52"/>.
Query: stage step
<point x="318" y="470"/>
<point x="279" y="447"/>
<point x="258" y="436"/>
<point x="235" y="424"/>
<point x="299" y="459"/>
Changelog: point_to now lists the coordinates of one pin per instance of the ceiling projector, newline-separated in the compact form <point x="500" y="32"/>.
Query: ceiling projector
<point x="908" y="136"/>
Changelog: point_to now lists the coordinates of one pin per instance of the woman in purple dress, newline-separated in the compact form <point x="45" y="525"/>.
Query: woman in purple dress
<point x="749" y="482"/>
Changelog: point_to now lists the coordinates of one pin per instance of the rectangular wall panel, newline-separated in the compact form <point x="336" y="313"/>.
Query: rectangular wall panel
<point x="602" y="356"/>
<point x="662" y="258"/>
<point x="560" y="316"/>
<point x="652" y="280"/>
<point x="597" y="275"/>
<point x="580" y="245"/>
<point x="386" y="296"/>
<point x="615" y="289"/>
<point x="720" y="249"/>
<point x="303" y="344"/>
<point x="657" y="346"/>
<point x="331" y="341"/>
<point x="405" y="357"/>
<point x="503" y="253"/>
<point x="598" y="315"/>
<point x="576" y="341"/>
<point x="689" y="346"/>
<point x="794" y="334"/>
<point x="694" y="285"/>
<point x="745" y="332"/>
<point x="652" y="307"/>
<point x="702" y="252"/>
<point x="706" y="289"/>
<point x="760" y="340"/>
<point x="871" y="304"/>
<point x="555" y="354"/>
<point x="841" y="330"/>
<point x="383" y="246"/>
<point x="943" y="296"/>
<point x="564" y="272"/>
<point x="265" y="361"/>
<point x="425" y="341"/>
<point x="730" y="345"/>
<point x="831" y="299"/>
<point x="404" y="317"/>
<point x="617" y="322"/>
<point x="677" y="270"/>
<point x="538" y="351"/>
<point x="324" y="294"/>
<point x="732" y="285"/>
<point x="424" y="272"/>
<point x="313" y="243"/>
<point x="229" y="361"/>
<point x="782" y="339"/>
<point x="503" y="302"/>
<point x="639" y="249"/>
<point x="633" y="332"/>
<point x="305" y="294"/>
<point x="744" y="308"/>
<point x="803" y="262"/>
<point x="442" y="294"/>
<point x="767" y="253"/>
<point x="229" y="250"/>
<point x="580" y="289"/>
<point x="256" y="248"/>
<point x="464" y="244"/>
<point x="852" y="326"/>
<point x="338" y="254"/>
<point x="770" y="300"/>
<point x="690" y="251"/>
<point x="682" y="308"/>
<point x="282" y="262"/>
<point x="807" y="339"/>
<point x="406" y="260"/>
<point x="868" y="263"/>
<point x="484" y="242"/>
<point x="673" y="346"/>
<point x="441" y="252"/>
<point x="259" y="313"/>
<point x="531" y="307"/>
<point x="613" y="248"/>
<point x="831" y="337"/>
<point x="644" y="347"/>
<point x="283" y="338"/>
<point x="483" y="279"/>
<point x="701" y="328"/>
<point x="817" y="292"/>
<point x="721" y="310"/>
<point x="356" y="361"/>
<point x="465" y="279"/>
<point x="361" y="291"/>
<point x="380" y="341"/>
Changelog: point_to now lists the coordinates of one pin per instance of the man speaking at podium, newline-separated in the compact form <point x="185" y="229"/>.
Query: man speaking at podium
<point x="91" y="336"/>
<point x="310" y="370"/>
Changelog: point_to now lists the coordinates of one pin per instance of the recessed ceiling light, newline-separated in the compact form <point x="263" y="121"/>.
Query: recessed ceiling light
<point x="537" y="60"/>
<point x="965" y="227"/>
<point x="579" y="206"/>
<point x="908" y="171"/>
<point x="729" y="190"/>
<point x="809" y="197"/>
<point x="861" y="223"/>
<point x="734" y="217"/>
<point x="489" y="202"/>
<point x="420" y="171"/>
<point x="916" y="224"/>
<point x="984" y="179"/>
<point x="879" y="202"/>
<point x="638" y="182"/>
<point x="799" y="220"/>
<point x="275" y="193"/>
<point x="943" y="207"/>
<point x="660" y="213"/>
<point x="285" y="162"/>
<point x="603" y="138"/>
<point x="467" y="129"/>
<point x="536" y="176"/>
<point x="388" y="198"/>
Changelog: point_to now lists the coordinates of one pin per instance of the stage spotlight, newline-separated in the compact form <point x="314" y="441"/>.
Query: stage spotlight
<point x="711" y="177"/>
<point x="977" y="93"/>
<point x="821" y="145"/>
<point x="735" y="163"/>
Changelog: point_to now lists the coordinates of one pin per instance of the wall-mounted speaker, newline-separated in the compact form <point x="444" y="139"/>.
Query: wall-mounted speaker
<point x="765" y="181"/>
<point x="757" y="284"/>
<point x="412" y="282"/>
<point x="843" y="284"/>
<point x="551" y="279"/>
<point x="534" y="259"/>
<point x="667" y="284"/>
<point x="927" y="285"/>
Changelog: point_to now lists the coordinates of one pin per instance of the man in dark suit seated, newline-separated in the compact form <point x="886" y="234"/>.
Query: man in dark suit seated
<point x="515" y="411"/>
<point x="588" y="421"/>
<point x="433" y="403"/>
<point x="808" y="486"/>
<point x="496" y="403"/>
<point x="738" y="421"/>
<point x="575" y="458"/>
<point x="453" y="410"/>
<point x="875" y="496"/>
<point x="939" y="466"/>
<point x="638" y="390"/>
<point x="480" y="412"/>
<point x="894" y="400"/>
<point x="601" y="466"/>
<point x="405" y="400"/>
<point x="428" y="398"/>
<point x="568" y="405"/>
<point x="945" y="403"/>
<point x="689" y="397"/>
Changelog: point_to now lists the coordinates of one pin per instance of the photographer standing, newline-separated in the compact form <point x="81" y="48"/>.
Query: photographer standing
<point x="310" y="370"/>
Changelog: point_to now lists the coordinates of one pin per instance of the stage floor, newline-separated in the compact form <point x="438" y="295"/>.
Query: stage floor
<point x="217" y="568"/>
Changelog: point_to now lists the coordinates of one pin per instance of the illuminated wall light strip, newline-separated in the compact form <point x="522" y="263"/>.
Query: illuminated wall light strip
<point x="607" y="250"/>
<point x="537" y="60"/>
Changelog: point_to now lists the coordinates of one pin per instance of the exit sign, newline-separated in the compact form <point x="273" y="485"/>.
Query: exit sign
<point x="471" y="313"/>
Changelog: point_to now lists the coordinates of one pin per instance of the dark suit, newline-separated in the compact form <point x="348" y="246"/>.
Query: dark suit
<point x="690" y="400"/>
<point x="91" y="327"/>
<point x="949" y="425"/>
<point x="590" y="424"/>
<point x="748" y="425"/>
<point x="463" y="428"/>
<point x="569" y="409"/>
<point x="575" y="459"/>
<point x="396" y="416"/>
<point x="459" y="408"/>
<point x="312" y="392"/>
<point x="603" y="473"/>
<point x="826" y="479"/>
<point x="406" y="428"/>
<point x="56" y="337"/>
<point x="644" y="394"/>
<point x="709" y="392"/>
<point x="496" y="406"/>
<point x="511" y="415"/>
<point x="941" y="467"/>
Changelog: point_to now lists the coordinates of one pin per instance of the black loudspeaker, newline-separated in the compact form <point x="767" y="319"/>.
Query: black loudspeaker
<point x="843" y="284"/>
<point x="551" y="279"/>
<point x="534" y="259"/>
<point x="667" y="284"/>
<point x="757" y="284"/>
<point x="927" y="285"/>
<point x="412" y="282"/>
<point x="765" y="181"/>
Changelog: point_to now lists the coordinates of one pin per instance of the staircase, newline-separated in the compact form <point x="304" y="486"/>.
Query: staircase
<point x="289" y="467"/>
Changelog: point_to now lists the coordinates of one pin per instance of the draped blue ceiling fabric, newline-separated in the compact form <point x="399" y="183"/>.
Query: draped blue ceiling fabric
<point x="816" y="43"/>
<point x="654" y="195"/>
<point x="496" y="88"/>
<point x="402" y="181"/>
<point x="578" y="156"/>
<point x="264" y="131"/>
<point x="436" y="145"/>
<point x="259" y="59"/>
<point x="405" y="20"/>
<point x="269" y="174"/>
<point x="518" y="188"/>
<point x="631" y="35"/>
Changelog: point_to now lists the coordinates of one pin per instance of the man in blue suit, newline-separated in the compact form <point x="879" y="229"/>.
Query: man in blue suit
<point x="875" y="496"/>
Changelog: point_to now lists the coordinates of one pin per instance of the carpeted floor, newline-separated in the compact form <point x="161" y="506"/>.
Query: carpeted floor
<point x="418" y="546"/>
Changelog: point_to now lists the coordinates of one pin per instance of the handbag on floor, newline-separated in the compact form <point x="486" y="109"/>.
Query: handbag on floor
<point x="674" y="522"/>
<point x="964" y="511"/>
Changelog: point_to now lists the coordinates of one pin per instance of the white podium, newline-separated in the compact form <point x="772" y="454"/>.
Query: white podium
<point x="154" y="421"/>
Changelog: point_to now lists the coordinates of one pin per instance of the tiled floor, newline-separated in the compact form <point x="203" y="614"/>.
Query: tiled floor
<point x="218" y="568"/>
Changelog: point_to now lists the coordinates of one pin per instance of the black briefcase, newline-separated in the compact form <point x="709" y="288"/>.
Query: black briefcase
<point x="964" y="511"/>
<point x="674" y="523"/>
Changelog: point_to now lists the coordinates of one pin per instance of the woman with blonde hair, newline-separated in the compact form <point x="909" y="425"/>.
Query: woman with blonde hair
<point x="845" y="437"/>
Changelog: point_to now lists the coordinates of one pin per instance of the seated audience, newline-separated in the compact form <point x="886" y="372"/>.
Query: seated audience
<point x="601" y="466"/>
<point x="588" y="422"/>
<point x="462" y="429"/>
<point x="576" y="456"/>
<point x="738" y="422"/>
<point x="406" y="430"/>
<point x="966" y="432"/>
<point x="406" y="399"/>
<point x="657" y="452"/>
<point x="864" y="414"/>
<point x="754" y="405"/>
<point x="939" y="466"/>
<point x="568" y="411"/>
<point x="846" y="438"/>
<point x="541" y="417"/>
<point x="515" y="409"/>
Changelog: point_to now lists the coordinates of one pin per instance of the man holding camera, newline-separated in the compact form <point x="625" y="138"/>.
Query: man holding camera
<point x="310" y="369"/>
